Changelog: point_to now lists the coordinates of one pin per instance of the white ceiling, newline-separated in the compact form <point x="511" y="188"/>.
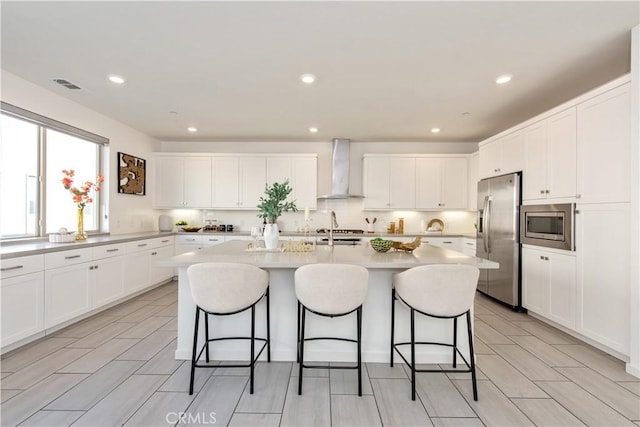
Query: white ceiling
<point x="387" y="71"/>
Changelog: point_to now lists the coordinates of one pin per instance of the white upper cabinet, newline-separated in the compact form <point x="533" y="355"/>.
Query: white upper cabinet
<point x="550" y="157"/>
<point x="389" y="182"/>
<point x="604" y="149"/>
<point x="441" y="183"/>
<point x="502" y="156"/>
<point x="182" y="182"/>
<point x="415" y="181"/>
<point x="238" y="181"/>
<point x="302" y="173"/>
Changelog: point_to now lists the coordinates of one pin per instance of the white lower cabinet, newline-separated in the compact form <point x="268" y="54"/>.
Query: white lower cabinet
<point x="453" y="243"/>
<point x="604" y="288"/>
<point x="141" y="263"/>
<point x="469" y="246"/>
<point x="108" y="280"/>
<point x="22" y="307"/>
<point x="67" y="293"/>
<point x="549" y="285"/>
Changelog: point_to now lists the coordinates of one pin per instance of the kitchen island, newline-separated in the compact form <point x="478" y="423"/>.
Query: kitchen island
<point x="281" y="267"/>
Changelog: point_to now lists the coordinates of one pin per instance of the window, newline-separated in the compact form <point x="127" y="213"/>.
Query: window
<point x="33" y="152"/>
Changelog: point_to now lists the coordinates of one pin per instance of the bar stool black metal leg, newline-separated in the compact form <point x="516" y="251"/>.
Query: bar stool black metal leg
<point x="413" y="355"/>
<point x="301" y="351"/>
<point x="359" y="319"/>
<point x="206" y="335"/>
<point x="393" y="318"/>
<point x="298" y="336"/>
<point x="455" y="340"/>
<point x="195" y="350"/>
<point x="253" y="344"/>
<point x="268" y="329"/>
<point x="472" y="361"/>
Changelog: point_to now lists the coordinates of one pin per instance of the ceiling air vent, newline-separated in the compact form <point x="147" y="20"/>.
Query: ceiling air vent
<point x="66" y="83"/>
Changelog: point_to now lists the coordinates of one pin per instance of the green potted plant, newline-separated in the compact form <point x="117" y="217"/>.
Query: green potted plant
<point x="271" y="206"/>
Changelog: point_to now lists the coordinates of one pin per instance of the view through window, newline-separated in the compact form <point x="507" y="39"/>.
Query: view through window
<point x="33" y="153"/>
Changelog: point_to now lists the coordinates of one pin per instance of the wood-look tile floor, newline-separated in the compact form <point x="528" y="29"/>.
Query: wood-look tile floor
<point x="117" y="368"/>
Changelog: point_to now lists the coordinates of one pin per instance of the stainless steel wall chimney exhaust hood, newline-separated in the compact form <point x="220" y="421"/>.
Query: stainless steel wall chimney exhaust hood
<point x="340" y="171"/>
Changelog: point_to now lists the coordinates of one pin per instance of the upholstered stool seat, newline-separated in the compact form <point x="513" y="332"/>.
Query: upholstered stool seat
<point x="443" y="291"/>
<point x="223" y="289"/>
<point x="330" y="290"/>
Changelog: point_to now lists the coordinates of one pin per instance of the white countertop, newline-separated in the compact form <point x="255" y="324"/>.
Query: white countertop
<point x="236" y="251"/>
<point x="40" y="246"/>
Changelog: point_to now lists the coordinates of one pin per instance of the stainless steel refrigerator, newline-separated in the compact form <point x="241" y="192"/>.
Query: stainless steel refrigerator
<point x="498" y="237"/>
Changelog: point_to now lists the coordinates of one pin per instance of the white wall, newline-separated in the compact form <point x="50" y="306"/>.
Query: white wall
<point x="349" y="212"/>
<point x="634" y="364"/>
<point x="126" y="213"/>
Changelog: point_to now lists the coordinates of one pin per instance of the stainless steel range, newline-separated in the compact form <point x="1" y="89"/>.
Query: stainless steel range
<point x="341" y="236"/>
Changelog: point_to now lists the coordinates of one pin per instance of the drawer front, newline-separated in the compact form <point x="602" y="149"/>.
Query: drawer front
<point x="138" y="246"/>
<point x="61" y="259"/>
<point x="159" y="242"/>
<point x="22" y="265"/>
<point x="212" y="240"/>
<point x="187" y="239"/>
<point x="108" y="251"/>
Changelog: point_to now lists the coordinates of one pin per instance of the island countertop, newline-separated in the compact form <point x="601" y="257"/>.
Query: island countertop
<point x="364" y="255"/>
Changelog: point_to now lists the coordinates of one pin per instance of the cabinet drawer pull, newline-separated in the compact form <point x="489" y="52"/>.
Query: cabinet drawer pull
<point x="72" y="257"/>
<point x="15" y="267"/>
<point x="447" y="242"/>
<point x="469" y="244"/>
<point x="213" y="240"/>
<point x="113" y="250"/>
<point x="190" y="240"/>
<point x="165" y="241"/>
<point x="142" y="245"/>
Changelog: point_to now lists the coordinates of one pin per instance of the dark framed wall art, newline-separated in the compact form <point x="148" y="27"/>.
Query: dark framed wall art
<point x="131" y="174"/>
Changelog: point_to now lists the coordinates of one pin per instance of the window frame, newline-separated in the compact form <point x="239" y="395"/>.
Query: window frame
<point x="44" y="123"/>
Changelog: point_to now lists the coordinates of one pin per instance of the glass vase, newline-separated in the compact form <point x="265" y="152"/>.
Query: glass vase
<point x="80" y="234"/>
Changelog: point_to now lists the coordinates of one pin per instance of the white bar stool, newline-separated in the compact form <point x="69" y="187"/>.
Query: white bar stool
<point x="330" y="290"/>
<point x="223" y="289"/>
<point x="444" y="291"/>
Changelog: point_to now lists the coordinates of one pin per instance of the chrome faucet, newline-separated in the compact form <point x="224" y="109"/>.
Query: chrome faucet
<point x="334" y="223"/>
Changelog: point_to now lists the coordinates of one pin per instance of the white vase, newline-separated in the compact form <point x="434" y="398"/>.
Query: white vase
<point x="271" y="236"/>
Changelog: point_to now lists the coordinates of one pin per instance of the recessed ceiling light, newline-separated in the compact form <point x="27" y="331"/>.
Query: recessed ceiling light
<point x="313" y="130"/>
<point x="308" y="78"/>
<point x="435" y="130"/>
<point x="116" y="79"/>
<point x="192" y="129"/>
<point x="505" y="78"/>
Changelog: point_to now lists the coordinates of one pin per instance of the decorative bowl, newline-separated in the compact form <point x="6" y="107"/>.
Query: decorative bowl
<point x="381" y="245"/>
<point x="191" y="229"/>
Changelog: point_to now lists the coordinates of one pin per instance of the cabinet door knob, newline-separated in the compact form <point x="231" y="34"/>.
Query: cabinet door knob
<point x="547" y="191"/>
<point x="578" y="196"/>
<point x="96" y="267"/>
<point x="541" y="257"/>
<point x="541" y="191"/>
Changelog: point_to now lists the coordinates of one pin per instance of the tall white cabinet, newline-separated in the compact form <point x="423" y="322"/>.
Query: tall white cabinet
<point x="604" y="149"/>
<point x="603" y="247"/>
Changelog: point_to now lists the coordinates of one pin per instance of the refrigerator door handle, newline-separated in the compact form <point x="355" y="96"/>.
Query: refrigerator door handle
<point x="487" y="223"/>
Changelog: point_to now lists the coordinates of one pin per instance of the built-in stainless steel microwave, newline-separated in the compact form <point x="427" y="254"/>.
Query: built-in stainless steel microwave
<point x="547" y="225"/>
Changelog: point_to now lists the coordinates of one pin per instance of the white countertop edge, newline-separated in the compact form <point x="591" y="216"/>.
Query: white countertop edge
<point x="364" y="255"/>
